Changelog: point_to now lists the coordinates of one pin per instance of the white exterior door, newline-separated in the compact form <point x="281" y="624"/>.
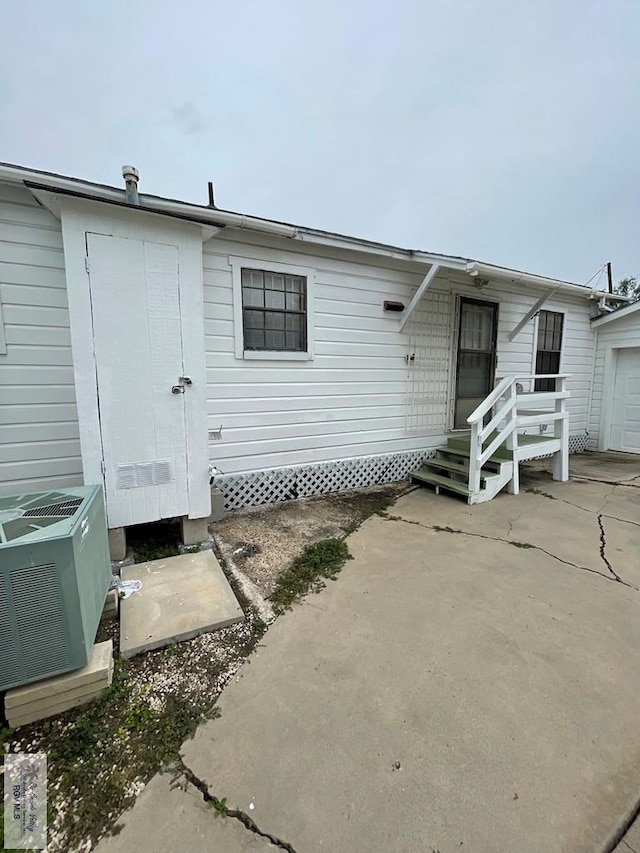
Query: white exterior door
<point x="135" y="302"/>
<point x="625" y="413"/>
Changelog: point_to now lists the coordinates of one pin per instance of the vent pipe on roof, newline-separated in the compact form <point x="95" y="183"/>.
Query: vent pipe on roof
<point x="131" y="175"/>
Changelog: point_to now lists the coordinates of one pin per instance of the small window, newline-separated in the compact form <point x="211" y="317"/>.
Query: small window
<point x="274" y="311"/>
<point x="549" y="348"/>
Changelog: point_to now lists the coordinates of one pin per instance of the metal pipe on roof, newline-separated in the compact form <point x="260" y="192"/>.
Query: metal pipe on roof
<point x="131" y="176"/>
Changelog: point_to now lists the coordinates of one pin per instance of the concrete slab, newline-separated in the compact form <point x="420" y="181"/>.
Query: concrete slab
<point x="503" y="682"/>
<point x="55" y="695"/>
<point x="168" y="819"/>
<point x="118" y="543"/>
<point x="110" y="609"/>
<point x="96" y="670"/>
<point x="180" y="598"/>
<point x="451" y="691"/>
<point x="26" y="714"/>
<point x="631" y="841"/>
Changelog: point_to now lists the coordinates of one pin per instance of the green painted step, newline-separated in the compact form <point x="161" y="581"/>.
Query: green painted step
<point x="463" y="443"/>
<point x="456" y="468"/>
<point x="447" y="465"/>
<point x="491" y="465"/>
<point x="444" y="482"/>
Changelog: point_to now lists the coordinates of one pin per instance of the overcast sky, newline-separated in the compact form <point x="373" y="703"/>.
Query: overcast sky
<point x="495" y="129"/>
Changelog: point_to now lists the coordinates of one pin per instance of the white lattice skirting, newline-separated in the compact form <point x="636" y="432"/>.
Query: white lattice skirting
<point x="253" y="488"/>
<point x="578" y="442"/>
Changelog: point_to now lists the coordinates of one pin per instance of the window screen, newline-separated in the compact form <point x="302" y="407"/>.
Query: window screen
<point x="274" y="311"/>
<point x="550" y="325"/>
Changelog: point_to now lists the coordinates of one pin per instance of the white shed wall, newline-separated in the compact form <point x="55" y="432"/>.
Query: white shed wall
<point x="39" y="443"/>
<point x="624" y="332"/>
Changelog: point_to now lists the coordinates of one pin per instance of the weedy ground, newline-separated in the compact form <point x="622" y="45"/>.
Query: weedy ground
<point x="101" y="756"/>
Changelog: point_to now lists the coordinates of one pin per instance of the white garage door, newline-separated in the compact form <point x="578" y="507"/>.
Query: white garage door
<point x="625" y="415"/>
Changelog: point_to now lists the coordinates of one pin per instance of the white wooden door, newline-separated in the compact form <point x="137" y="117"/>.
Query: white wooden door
<point x="138" y="353"/>
<point x="625" y="412"/>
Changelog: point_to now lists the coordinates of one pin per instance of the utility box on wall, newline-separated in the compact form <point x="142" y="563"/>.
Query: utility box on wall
<point x="55" y="572"/>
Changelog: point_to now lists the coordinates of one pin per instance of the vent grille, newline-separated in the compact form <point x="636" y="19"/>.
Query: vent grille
<point x="9" y="661"/>
<point x="138" y="475"/>
<point x="64" y="509"/>
<point x="39" y="613"/>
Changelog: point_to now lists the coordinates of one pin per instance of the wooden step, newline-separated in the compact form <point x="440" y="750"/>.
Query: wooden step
<point x="456" y="468"/>
<point x="428" y="477"/>
<point x="462" y="444"/>
<point x="447" y="465"/>
<point x="491" y="466"/>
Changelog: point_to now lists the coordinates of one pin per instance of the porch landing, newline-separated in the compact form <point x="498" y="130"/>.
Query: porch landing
<point x="181" y="597"/>
<point x="529" y="446"/>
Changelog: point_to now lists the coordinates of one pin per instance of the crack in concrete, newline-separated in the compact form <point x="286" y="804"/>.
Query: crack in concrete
<point x="599" y="516"/>
<point x="603" y="546"/>
<point x="629" y="483"/>
<point x="605" y="501"/>
<point x="528" y="545"/>
<point x="514" y="520"/>
<point x="626" y="844"/>
<point x="236" y="814"/>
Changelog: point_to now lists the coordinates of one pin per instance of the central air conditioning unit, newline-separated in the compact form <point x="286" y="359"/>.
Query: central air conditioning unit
<point x="55" y="573"/>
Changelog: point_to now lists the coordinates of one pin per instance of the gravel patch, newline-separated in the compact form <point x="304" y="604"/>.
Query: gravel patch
<point x="263" y="541"/>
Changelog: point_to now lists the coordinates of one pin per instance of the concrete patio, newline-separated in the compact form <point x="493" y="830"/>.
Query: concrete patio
<point x="471" y="682"/>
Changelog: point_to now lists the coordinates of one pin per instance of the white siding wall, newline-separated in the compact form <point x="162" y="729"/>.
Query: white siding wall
<point x="351" y="400"/>
<point x="624" y="332"/>
<point x="39" y="446"/>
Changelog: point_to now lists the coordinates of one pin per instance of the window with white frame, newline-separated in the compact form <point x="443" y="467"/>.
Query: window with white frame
<point x="549" y="349"/>
<point x="272" y="310"/>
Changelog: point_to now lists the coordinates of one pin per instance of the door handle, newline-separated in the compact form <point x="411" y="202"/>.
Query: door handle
<point x="183" y="381"/>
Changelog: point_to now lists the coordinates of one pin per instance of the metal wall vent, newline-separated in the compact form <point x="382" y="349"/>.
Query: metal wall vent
<point x="138" y="475"/>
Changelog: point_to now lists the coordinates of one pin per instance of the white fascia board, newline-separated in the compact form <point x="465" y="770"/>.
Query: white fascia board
<point x="475" y="268"/>
<point x="620" y="314"/>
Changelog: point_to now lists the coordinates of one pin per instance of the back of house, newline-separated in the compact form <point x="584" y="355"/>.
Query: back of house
<point x="153" y="346"/>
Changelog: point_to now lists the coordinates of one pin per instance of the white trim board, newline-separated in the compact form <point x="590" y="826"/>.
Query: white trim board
<point x="3" y="341"/>
<point x="237" y="265"/>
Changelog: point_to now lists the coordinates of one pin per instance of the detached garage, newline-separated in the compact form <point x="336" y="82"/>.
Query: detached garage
<point x="615" y="406"/>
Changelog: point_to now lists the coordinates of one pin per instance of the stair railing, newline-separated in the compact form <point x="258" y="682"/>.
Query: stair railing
<point x="502" y="404"/>
<point x="507" y="417"/>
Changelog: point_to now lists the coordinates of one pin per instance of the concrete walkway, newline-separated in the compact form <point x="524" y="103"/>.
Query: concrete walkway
<point x="470" y="683"/>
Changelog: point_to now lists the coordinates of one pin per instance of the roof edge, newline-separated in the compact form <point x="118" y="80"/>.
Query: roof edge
<point x="619" y="314"/>
<point x="55" y="183"/>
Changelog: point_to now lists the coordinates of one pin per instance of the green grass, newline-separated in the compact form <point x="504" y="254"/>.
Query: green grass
<point x="147" y="551"/>
<point x="318" y="562"/>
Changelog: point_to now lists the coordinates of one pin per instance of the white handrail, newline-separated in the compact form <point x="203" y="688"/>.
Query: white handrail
<point x="511" y="418"/>
<point x="536" y="376"/>
<point x="480" y="411"/>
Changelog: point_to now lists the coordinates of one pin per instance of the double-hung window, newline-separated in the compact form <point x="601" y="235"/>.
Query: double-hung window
<point x="550" y="324"/>
<point x="272" y="310"/>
